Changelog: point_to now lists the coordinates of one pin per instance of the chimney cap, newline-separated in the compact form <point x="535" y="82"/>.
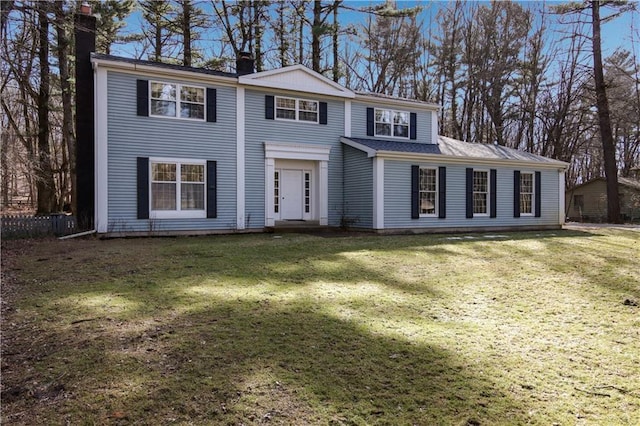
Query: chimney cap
<point x="85" y="8"/>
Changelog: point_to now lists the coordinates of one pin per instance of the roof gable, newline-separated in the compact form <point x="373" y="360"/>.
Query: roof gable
<point x="297" y="78"/>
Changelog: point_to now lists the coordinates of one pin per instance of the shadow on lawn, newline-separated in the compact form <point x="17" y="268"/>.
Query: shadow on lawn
<point x="241" y="362"/>
<point x="253" y="361"/>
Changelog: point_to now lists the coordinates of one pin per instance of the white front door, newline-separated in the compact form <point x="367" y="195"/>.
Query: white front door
<point x="291" y="195"/>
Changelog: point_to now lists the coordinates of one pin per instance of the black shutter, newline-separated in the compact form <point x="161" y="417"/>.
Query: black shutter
<point x="269" y="107"/>
<point x="212" y="100"/>
<point x="323" y="113"/>
<point x="142" y="95"/>
<point x="413" y="126"/>
<point x="143" y="187"/>
<point x="493" y="196"/>
<point x="469" y="191"/>
<point x="516" y="193"/>
<point x="370" y="122"/>
<point x="415" y="192"/>
<point x="442" y="192"/>
<point x="538" y="190"/>
<point x="212" y="189"/>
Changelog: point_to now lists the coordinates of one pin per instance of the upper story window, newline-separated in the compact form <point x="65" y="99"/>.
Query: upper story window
<point x="526" y="193"/>
<point x="297" y="109"/>
<point x="177" y="100"/>
<point x="480" y="191"/>
<point x="392" y="123"/>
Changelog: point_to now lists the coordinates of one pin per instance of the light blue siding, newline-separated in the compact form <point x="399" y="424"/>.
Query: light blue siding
<point x="397" y="193"/>
<point x="260" y="130"/>
<point x="358" y="188"/>
<point x="131" y="136"/>
<point x="359" y="122"/>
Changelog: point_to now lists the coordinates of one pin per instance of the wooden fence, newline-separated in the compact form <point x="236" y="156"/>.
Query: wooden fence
<point x="24" y="226"/>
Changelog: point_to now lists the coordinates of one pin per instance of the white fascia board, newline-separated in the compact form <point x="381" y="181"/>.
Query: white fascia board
<point x="451" y="159"/>
<point x="156" y="72"/>
<point x="289" y="87"/>
<point x="331" y="88"/>
<point x="369" y="151"/>
<point x="397" y="102"/>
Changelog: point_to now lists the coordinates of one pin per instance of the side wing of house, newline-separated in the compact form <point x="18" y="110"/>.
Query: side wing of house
<point x="165" y="150"/>
<point x="420" y="181"/>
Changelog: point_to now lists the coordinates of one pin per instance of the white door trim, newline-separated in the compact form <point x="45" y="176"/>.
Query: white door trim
<point x="297" y="151"/>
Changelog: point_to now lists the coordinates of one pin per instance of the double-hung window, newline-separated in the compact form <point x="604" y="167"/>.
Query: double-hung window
<point x="297" y="109"/>
<point x="428" y="191"/>
<point x="480" y="192"/>
<point x="526" y="193"/>
<point x="392" y="123"/>
<point x="177" y="189"/>
<point x="177" y="100"/>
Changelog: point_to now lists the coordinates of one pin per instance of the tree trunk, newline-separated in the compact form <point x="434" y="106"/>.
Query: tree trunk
<point x="45" y="184"/>
<point x="316" y="31"/>
<point x="186" y="33"/>
<point x="257" y="13"/>
<point x="336" y="47"/>
<point x="604" y="119"/>
<point x="67" y="109"/>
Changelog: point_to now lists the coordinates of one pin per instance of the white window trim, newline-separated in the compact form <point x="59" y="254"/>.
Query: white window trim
<point x="435" y="213"/>
<point x="487" y="205"/>
<point x="393" y="111"/>
<point x="297" y="110"/>
<point x="178" y="101"/>
<point x="533" y="192"/>
<point x="177" y="214"/>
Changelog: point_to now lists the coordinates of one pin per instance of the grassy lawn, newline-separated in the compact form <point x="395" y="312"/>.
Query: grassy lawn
<point x="526" y="328"/>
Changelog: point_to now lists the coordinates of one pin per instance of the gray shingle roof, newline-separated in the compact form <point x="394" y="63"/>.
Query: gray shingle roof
<point x="162" y="65"/>
<point x="455" y="148"/>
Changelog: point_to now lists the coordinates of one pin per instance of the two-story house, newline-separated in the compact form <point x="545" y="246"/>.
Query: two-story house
<point x="174" y="149"/>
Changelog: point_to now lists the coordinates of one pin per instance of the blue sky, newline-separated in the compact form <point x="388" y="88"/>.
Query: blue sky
<point x="622" y="32"/>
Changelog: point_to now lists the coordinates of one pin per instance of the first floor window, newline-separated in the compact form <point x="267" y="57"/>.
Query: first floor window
<point x="428" y="191"/>
<point x="526" y="193"/>
<point x="480" y="191"/>
<point x="177" y="186"/>
<point x="177" y="100"/>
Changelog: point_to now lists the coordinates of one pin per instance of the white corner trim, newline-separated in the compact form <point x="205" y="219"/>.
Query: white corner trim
<point x="240" y="160"/>
<point x="269" y="173"/>
<point x="323" y="183"/>
<point x="561" y="196"/>
<point x="101" y="163"/>
<point x="347" y="118"/>
<point x="378" y="193"/>
<point x="434" y="127"/>
<point x="296" y="151"/>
